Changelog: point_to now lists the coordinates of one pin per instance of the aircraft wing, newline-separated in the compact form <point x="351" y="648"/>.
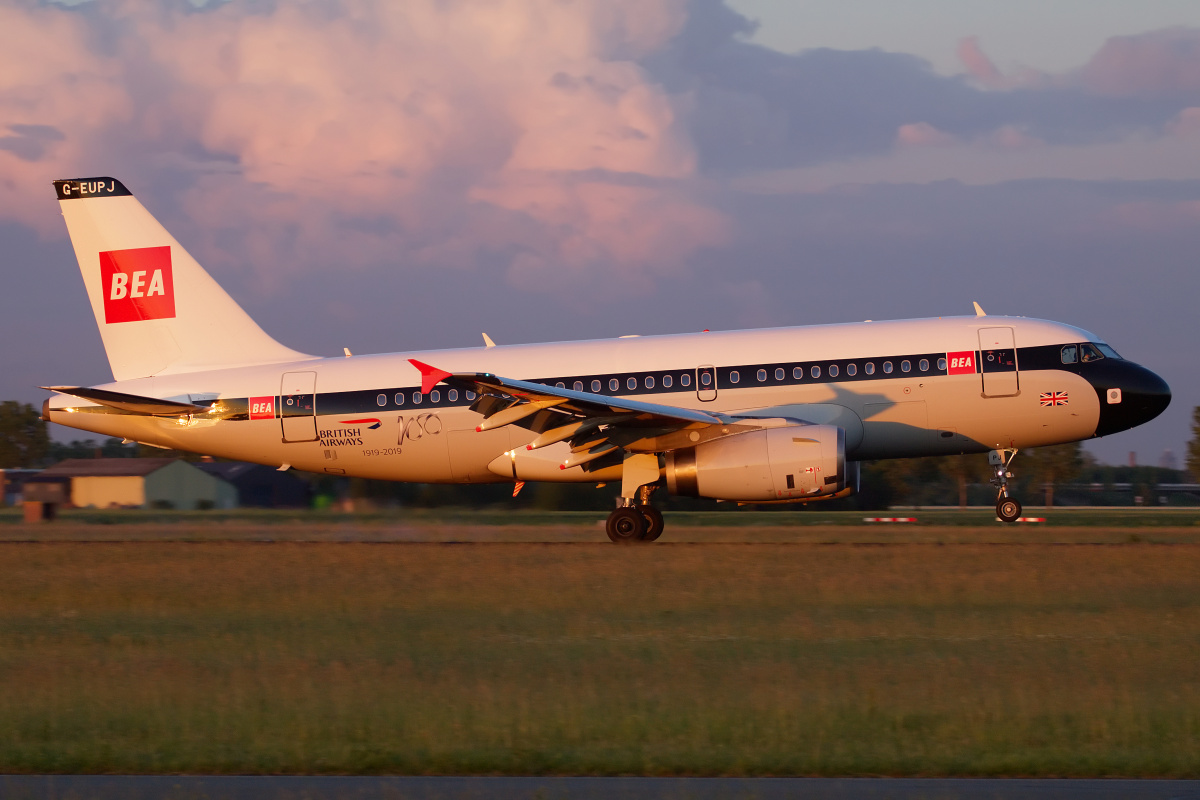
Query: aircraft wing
<point x="594" y="425"/>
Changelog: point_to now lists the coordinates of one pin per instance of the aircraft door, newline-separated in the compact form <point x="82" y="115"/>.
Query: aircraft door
<point x="298" y="406"/>
<point x="706" y="383"/>
<point x="998" y="362"/>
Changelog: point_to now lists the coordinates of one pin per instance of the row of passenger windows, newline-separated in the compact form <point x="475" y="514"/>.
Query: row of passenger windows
<point x="417" y="397"/>
<point x="668" y="381"/>
<point x="835" y="371"/>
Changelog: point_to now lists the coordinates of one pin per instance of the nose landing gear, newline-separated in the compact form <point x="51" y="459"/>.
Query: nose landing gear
<point x="1007" y="507"/>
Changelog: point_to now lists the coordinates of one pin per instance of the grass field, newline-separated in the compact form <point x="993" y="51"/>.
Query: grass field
<point x="800" y="658"/>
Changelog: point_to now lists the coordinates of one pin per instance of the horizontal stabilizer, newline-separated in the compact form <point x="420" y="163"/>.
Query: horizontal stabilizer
<point x="133" y="403"/>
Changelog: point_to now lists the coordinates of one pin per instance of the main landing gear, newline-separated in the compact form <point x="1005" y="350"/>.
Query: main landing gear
<point x="1007" y="507"/>
<point x="635" y="522"/>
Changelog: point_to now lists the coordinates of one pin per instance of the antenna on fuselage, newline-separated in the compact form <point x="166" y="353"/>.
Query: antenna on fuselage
<point x="978" y="311"/>
<point x="487" y="341"/>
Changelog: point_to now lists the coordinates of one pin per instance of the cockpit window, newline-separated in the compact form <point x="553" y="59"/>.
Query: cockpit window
<point x="1070" y="354"/>
<point x="1108" y="351"/>
<point x="1088" y="352"/>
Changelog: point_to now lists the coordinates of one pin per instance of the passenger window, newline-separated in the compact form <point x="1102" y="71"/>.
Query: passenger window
<point x="613" y="384"/>
<point x="815" y="372"/>
<point x="595" y="386"/>
<point x="869" y="368"/>
<point x="631" y="383"/>
<point x="578" y="386"/>
<point x="381" y="400"/>
<point x="1070" y="354"/>
<point x="705" y="379"/>
<point x="798" y="373"/>
<point x="685" y="379"/>
<point x="435" y="396"/>
<point x="733" y="376"/>
<point x="924" y="365"/>
<point x="833" y="370"/>
<point x="399" y="398"/>
<point x="452" y="395"/>
<point x="666" y="381"/>
<point x="560" y="385"/>
<point x="905" y="366"/>
<point x="1088" y="353"/>
<point x="779" y="374"/>
<point x="942" y="364"/>
<point x="649" y="381"/>
<point x="887" y="367"/>
<point x="471" y="395"/>
<point x="417" y="398"/>
<point x="851" y="370"/>
<point x="762" y="375"/>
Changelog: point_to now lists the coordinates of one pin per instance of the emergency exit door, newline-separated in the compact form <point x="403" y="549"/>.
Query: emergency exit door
<point x="998" y="362"/>
<point x="298" y="406"/>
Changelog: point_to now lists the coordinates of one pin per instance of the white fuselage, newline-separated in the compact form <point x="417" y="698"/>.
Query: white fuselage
<point x="372" y="420"/>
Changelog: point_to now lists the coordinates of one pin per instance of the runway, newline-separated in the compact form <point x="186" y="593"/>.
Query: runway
<point x="173" y="787"/>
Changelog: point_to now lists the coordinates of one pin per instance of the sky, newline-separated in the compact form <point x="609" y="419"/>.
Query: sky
<point x="399" y="176"/>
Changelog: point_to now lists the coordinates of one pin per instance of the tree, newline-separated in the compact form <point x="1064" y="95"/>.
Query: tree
<point x="1193" y="451"/>
<point x="23" y="438"/>
<point x="1051" y="465"/>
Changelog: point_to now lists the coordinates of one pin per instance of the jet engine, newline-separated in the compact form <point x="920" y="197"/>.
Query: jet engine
<point x="787" y="464"/>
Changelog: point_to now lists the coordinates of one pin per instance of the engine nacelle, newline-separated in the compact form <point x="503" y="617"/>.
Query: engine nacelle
<point x="792" y="463"/>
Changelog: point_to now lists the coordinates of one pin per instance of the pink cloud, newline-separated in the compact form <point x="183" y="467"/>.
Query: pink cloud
<point x="1013" y="137"/>
<point x="449" y="125"/>
<point x="922" y="134"/>
<point x="1154" y="63"/>
<point x="977" y="63"/>
<point x="1186" y="123"/>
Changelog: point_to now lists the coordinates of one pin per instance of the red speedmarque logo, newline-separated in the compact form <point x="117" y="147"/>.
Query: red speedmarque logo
<point x="137" y="284"/>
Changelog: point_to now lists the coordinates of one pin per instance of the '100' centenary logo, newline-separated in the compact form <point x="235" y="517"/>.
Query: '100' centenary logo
<point x="137" y="284"/>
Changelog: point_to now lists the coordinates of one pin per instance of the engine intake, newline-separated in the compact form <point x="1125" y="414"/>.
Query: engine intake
<point x="791" y="463"/>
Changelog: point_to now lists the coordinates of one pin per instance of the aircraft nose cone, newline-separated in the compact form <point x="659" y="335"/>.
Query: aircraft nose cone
<point x="1129" y="395"/>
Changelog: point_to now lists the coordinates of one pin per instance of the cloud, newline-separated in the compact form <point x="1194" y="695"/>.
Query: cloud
<point x="922" y="134"/>
<point x="397" y="121"/>
<point x="977" y="63"/>
<point x="1158" y="63"/>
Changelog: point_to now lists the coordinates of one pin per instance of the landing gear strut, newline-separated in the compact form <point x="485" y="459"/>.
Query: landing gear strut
<point x="1007" y="507"/>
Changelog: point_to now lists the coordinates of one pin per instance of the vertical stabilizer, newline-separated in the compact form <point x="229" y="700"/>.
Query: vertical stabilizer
<point x="157" y="309"/>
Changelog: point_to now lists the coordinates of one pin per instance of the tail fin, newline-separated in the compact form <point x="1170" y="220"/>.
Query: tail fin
<point x="157" y="309"/>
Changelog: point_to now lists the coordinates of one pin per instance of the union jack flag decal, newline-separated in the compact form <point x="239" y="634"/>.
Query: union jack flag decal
<point x="1053" y="398"/>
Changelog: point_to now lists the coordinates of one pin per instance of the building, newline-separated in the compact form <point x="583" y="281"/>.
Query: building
<point x="12" y="485"/>
<point x="139" y="483"/>
<point x="260" y="486"/>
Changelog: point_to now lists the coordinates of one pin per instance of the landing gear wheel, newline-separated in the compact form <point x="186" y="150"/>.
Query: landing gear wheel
<point x="1008" y="510"/>
<point x="626" y="525"/>
<point x="654" y="523"/>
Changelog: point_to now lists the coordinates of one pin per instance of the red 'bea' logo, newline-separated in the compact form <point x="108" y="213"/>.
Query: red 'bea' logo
<point x="262" y="408"/>
<point x="961" y="363"/>
<point x="137" y="284"/>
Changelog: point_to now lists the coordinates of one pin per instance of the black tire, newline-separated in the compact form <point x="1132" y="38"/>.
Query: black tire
<point x="625" y="525"/>
<point x="1008" y="510"/>
<point x="654" y="523"/>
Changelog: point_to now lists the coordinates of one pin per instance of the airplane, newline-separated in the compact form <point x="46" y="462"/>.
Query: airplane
<point x="776" y="415"/>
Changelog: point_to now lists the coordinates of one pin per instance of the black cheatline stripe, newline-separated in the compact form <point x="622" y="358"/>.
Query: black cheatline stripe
<point x="365" y="401"/>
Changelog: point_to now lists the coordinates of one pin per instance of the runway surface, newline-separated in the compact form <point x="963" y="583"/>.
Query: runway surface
<point x="171" y="787"/>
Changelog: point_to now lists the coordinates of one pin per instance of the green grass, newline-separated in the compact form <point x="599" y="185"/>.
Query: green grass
<point x="701" y="659"/>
